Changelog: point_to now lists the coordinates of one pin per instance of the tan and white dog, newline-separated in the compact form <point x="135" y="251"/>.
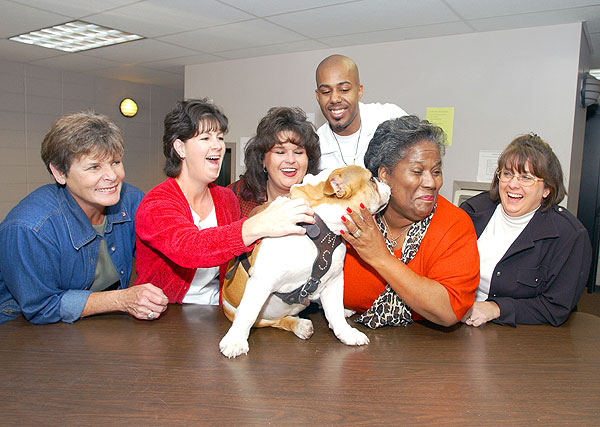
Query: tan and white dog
<point x="283" y="265"/>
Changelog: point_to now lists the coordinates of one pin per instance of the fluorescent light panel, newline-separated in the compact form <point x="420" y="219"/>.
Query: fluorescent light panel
<point x="75" y="36"/>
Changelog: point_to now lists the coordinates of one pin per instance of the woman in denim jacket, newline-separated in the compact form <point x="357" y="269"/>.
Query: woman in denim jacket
<point x="66" y="250"/>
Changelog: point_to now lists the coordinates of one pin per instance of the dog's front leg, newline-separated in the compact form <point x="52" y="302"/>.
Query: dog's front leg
<point x="332" y="299"/>
<point x="235" y="342"/>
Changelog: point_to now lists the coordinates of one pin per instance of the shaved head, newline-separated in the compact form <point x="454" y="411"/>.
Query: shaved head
<point x="338" y="62"/>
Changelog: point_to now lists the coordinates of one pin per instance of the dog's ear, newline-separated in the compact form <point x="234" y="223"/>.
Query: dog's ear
<point x="336" y="184"/>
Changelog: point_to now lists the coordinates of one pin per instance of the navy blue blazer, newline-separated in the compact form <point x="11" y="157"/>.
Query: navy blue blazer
<point x="543" y="273"/>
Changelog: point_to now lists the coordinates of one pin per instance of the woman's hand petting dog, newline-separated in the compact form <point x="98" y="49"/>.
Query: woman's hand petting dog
<point x="364" y="236"/>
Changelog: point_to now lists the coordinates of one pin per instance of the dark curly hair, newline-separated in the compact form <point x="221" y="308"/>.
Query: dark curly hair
<point x="393" y="138"/>
<point x="277" y="120"/>
<point x="185" y="121"/>
<point x="532" y="149"/>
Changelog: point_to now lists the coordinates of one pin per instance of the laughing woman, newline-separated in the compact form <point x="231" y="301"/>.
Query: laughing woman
<point x="284" y="149"/>
<point x="66" y="250"/>
<point x="188" y="228"/>
<point x="417" y="259"/>
<point x="535" y="255"/>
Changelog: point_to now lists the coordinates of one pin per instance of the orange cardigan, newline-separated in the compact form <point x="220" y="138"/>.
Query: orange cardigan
<point x="448" y="254"/>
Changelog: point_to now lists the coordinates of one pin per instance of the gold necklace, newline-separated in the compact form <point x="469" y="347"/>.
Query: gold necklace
<point x="393" y="242"/>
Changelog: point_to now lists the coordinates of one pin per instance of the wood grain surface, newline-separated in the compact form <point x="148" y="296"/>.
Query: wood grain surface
<point x="116" y="370"/>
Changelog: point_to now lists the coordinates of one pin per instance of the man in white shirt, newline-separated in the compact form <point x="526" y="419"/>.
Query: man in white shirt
<point x="350" y="124"/>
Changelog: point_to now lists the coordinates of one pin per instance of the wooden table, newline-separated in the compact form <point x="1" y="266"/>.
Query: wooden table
<point x="113" y="369"/>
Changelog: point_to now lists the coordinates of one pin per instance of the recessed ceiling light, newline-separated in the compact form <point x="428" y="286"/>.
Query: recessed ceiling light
<point x="75" y="36"/>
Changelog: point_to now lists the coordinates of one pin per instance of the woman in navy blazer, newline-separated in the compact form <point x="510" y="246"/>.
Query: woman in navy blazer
<point x="535" y="256"/>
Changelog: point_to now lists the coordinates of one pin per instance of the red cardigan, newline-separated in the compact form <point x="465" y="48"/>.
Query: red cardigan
<point x="169" y="245"/>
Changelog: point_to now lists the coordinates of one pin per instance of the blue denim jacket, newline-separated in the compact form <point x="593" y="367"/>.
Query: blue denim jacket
<point x="49" y="250"/>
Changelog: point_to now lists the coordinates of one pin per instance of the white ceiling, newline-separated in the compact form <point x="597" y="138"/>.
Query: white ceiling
<point x="181" y="32"/>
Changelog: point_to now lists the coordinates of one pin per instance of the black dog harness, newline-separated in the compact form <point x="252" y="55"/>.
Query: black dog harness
<point x="326" y="241"/>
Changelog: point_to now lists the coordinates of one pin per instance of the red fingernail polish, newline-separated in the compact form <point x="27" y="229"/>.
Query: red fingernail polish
<point x="348" y="210"/>
<point x="342" y="232"/>
<point x="362" y="206"/>
<point x="343" y="218"/>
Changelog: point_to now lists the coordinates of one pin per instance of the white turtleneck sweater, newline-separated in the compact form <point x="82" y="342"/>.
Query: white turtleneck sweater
<point x="499" y="234"/>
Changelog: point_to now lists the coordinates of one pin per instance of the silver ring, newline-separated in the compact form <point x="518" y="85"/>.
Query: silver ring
<point x="470" y="320"/>
<point x="151" y="315"/>
<point x="356" y="234"/>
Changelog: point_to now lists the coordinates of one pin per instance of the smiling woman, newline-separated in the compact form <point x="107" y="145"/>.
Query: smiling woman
<point x="284" y="149"/>
<point x="418" y="258"/>
<point x="188" y="228"/>
<point x="66" y="242"/>
<point x="535" y="255"/>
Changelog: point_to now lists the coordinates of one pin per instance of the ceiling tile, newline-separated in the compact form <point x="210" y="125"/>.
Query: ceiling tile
<point x="181" y="32"/>
<point x="75" y="8"/>
<point x="240" y="35"/>
<point x="276" y="7"/>
<point x="425" y="31"/>
<point x="474" y="9"/>
<point x="175" y="65"/>
<point x="159" y="17"/>
<point x="535" y="19"/>
<point x="17" y="19"/>
<point x="274" y="49"/>
<point x="365" y="16"/>
<point x="140" y="51"/>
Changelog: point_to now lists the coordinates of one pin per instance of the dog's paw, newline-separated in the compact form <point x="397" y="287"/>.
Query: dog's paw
<point x="351" y="336"/>
<point x="231" y="347"/>
<point x="303" y="329"/>
<point x="348" y="312"/>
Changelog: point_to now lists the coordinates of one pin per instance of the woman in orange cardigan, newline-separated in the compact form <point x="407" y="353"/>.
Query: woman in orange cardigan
<point x="418" y="258"/>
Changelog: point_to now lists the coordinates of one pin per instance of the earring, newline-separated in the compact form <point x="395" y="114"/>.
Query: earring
<point x="264" y="169"/>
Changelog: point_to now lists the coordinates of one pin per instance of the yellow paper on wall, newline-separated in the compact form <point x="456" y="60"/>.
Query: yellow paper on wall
<point x="444" y="118"/>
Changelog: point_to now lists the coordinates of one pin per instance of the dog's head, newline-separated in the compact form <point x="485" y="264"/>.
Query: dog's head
<point x="353" y="185"/>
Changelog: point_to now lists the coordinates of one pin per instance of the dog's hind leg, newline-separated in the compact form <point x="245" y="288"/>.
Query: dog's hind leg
<point x="302" y="328"/>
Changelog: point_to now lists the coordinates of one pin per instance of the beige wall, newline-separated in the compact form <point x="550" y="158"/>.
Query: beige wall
<point x="32" y="98"/>
<point x="501" y="83"/>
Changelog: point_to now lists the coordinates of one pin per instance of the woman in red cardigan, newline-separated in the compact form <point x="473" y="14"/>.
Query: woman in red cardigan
<point x="188" y="228"/>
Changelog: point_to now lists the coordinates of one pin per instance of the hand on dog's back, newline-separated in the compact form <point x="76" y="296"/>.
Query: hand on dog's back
<point x="280" y="218"/>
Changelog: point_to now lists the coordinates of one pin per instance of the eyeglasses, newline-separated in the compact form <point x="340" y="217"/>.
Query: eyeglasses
<point x="525" y="180"/>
